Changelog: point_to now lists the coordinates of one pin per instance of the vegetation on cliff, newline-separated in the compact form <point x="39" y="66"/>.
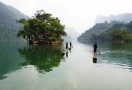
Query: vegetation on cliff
<point x="115" y="31"/>
<point x="8" y="25"/>
<point x="42" y="28"/>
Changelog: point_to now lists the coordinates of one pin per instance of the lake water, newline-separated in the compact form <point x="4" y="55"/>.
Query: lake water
<point x="43" y="67"/>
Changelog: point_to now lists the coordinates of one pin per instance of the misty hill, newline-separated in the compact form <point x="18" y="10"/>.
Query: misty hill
<point x="103" y="25"/>
<point x="115" y="31"/>
<point x="8" y="25"/>
<point x="17" y="13"/>
<point x="72" y="32"/>
<point x="125" y="17"/>
<point x="97" y="29"/>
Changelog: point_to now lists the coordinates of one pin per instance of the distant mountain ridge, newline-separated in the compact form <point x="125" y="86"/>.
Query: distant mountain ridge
<point x="17" y="12"/>
<point x="125" y="17"/>
<point x="8" y="25"/>
<point x="72" y="32"/>
<point x="102" y="30"/>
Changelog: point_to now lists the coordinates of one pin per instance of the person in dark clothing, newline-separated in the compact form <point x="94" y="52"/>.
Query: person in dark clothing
<point x="70" y="44"/>
<point x="95" y="47"/>
<point x="95" y="50"/>
<point x="66" y="45"/>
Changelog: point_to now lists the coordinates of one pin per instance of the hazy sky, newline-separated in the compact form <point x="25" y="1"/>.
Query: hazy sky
<point x="79" y="14"/>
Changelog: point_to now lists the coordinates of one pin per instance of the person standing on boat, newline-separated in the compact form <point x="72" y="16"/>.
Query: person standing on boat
<point x="95" y="49"/>
<point x="70" y="44"/>
<point x="66" y="45"/>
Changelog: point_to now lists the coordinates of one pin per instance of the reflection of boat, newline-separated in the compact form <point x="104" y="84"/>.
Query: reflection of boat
<point x="66" y="50"/>
<point x="66" y="54"/>
<point x="95" y="57"/>
<point x="94" y="60"/>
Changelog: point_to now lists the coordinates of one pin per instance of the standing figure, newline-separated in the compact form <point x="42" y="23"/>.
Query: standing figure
<point x="66" y="45"/>
<point x="70" y="44"/>
<point x="95" y="50"/>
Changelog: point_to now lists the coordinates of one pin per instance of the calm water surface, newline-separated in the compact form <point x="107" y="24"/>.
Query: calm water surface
<point x="43" y="67"/>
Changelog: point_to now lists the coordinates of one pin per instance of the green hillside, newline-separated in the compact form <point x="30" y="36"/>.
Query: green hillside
<point x="114" y="31"/>
<point x="8" y="25"/>
<point x="95" y="30"/>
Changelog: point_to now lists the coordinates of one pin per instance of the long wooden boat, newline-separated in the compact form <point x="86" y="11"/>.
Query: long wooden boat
<point x="66" y="50"/>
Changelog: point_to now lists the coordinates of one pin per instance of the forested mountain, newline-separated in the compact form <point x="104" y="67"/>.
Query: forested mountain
<point x="8" y="25"/>
<point x="117" y="28"/>
<point x="96" y="29"/>
<point x="125" y="17"/>
<point x="114" y="31"/>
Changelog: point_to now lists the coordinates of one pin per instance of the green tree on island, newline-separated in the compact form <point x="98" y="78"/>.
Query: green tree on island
<point x="42" y="28"/>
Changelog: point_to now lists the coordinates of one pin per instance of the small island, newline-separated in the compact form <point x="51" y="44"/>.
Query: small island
<point x="42" y="28"/>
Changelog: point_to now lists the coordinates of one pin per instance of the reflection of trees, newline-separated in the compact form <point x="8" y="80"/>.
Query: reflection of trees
<point x="119" y="54"/>
<point x="9" y="57"/>
<point x="114" y="53"/>
<point x="44" y="57"/>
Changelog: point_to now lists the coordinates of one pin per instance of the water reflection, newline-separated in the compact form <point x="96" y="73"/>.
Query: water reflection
<point x="118" y="55"/>
<point x="94" y="60"/>
<point x="122" y="60"/>
<point x="77" y="73"/>
<point x="67" y="54"/>
<point x="9" y="57"/>
<point x="43" y="57"/>
<point x="95" y="57"/>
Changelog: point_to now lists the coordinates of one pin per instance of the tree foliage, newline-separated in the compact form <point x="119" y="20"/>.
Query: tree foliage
<point x="118" y="34"/>
<point x="98" y="29"/>
<point x="115" y="31"/>
<point x="41" y="27"/>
